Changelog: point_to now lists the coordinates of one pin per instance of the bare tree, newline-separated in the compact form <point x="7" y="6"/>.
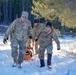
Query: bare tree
<point x="23" y="5"/>
<point x="10" y="15"/>
<point x="5" y="10"/>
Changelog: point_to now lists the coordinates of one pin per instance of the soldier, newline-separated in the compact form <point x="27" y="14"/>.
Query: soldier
<point x="28" y="42"/>
<point x="35" y="30"/>
<point x="45" y="36"/>
<point x="19" y="29"/>
<point x="57" y="32"/>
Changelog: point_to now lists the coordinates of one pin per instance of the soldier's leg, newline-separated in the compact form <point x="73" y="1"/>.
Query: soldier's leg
<point x="36" y="47"/>
<point x="22" y="51"/>
<point x="41" y="56"/>
<point x="49" y="56"/>
<point x="14" y="51"/>
<point x="28" y="43"/>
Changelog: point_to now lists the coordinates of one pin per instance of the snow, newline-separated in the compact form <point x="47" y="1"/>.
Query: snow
<point x="63" y="62"/>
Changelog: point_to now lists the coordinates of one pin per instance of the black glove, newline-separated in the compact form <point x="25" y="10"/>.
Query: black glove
<point x="58" y="48"/>
<point x="36" y="40"/>
<point x="30" y="37"/>
<point x="5" y="40"/>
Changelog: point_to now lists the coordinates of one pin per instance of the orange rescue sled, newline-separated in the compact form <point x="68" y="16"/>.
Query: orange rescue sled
<point x="29" y="51"/>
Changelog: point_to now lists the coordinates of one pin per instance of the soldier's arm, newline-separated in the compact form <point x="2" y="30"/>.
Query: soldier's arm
<point x="10" y="29"/>
<point x="56" y="40"/>
<point x="40" y="30"/>
<point x="37" y="36"/>
<point x="33" y="33"/>
<point x="41" y="27"/>
<point x="29" y="29"/>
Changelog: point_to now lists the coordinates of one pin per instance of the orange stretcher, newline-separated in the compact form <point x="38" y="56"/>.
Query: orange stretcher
<point x="29" y="51"/>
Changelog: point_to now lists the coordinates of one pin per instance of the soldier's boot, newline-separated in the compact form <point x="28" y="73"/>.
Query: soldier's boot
<point x="19" y="66"/>
<point x="20" y="60"/>
<point x="36" y="52"/>
<point x="49" y="57"/>
<point x="15" y="62"/>
<point x="42" y="63"/>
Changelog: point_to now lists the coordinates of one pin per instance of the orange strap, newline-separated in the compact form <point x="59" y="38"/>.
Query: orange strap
<point x="54" y="29"/>
<point x="28" y="48"/>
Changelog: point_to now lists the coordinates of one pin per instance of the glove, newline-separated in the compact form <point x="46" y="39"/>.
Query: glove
<point x="5" y="40"/>
<point x="58" y="48"/>
<point x="36" y="40"/>
<point x="30" y="37"/>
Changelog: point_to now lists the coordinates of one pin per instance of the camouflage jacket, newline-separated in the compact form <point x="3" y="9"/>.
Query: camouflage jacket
<point x="46" y="39"/>
<point x="37" y="29"/>
<point x="18" y="29"/>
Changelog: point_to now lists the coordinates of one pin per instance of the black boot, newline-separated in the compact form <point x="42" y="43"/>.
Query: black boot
<point x="49" y="56"/>
<point x="42" y="64"/>
<point x="15" y="62"/>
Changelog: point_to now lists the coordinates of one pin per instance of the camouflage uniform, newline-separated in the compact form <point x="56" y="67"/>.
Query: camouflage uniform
<point x="57" y="32"/>
<point x="46" y="42"/>
<point x="28" y="41"/>
<point x="35" y="30"/>
<point x="18" y="31"/>
<point x="46" y="36"/>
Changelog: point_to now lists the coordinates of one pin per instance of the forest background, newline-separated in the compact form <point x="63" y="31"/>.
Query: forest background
<point x="62" y="13"/>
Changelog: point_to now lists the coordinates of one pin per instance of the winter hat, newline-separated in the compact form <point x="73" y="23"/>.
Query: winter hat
<point x="35" y="21"/>
<point x="25" y="14"/>
<point x="48" y="24"/>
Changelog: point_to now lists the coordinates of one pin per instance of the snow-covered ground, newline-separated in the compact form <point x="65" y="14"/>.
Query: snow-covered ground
<point x="63" y="61"/>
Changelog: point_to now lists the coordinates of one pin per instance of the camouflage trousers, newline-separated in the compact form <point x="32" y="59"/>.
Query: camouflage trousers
<point x="36" y="47"/>
<point x="28" y="43"/>
<point x="18" y="50"/>
<point x="42" y="51"/>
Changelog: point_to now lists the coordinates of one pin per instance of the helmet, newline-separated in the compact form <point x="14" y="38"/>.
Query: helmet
<point x="25" y="14"/>
<point x="48" y="24"/>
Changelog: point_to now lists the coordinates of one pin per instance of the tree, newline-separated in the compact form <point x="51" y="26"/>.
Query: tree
<point x="50" y="9"/>
<point x="56" y="23"/>
<point x="11" y="9"/>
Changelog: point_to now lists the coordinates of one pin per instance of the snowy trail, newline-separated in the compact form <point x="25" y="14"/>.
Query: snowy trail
<point x="62" y="64"/>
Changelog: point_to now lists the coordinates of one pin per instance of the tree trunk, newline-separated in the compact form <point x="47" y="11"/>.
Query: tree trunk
<point x="6" y="12"/>
<point x="23" y="5"/>
<point x="10" y="14"/>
